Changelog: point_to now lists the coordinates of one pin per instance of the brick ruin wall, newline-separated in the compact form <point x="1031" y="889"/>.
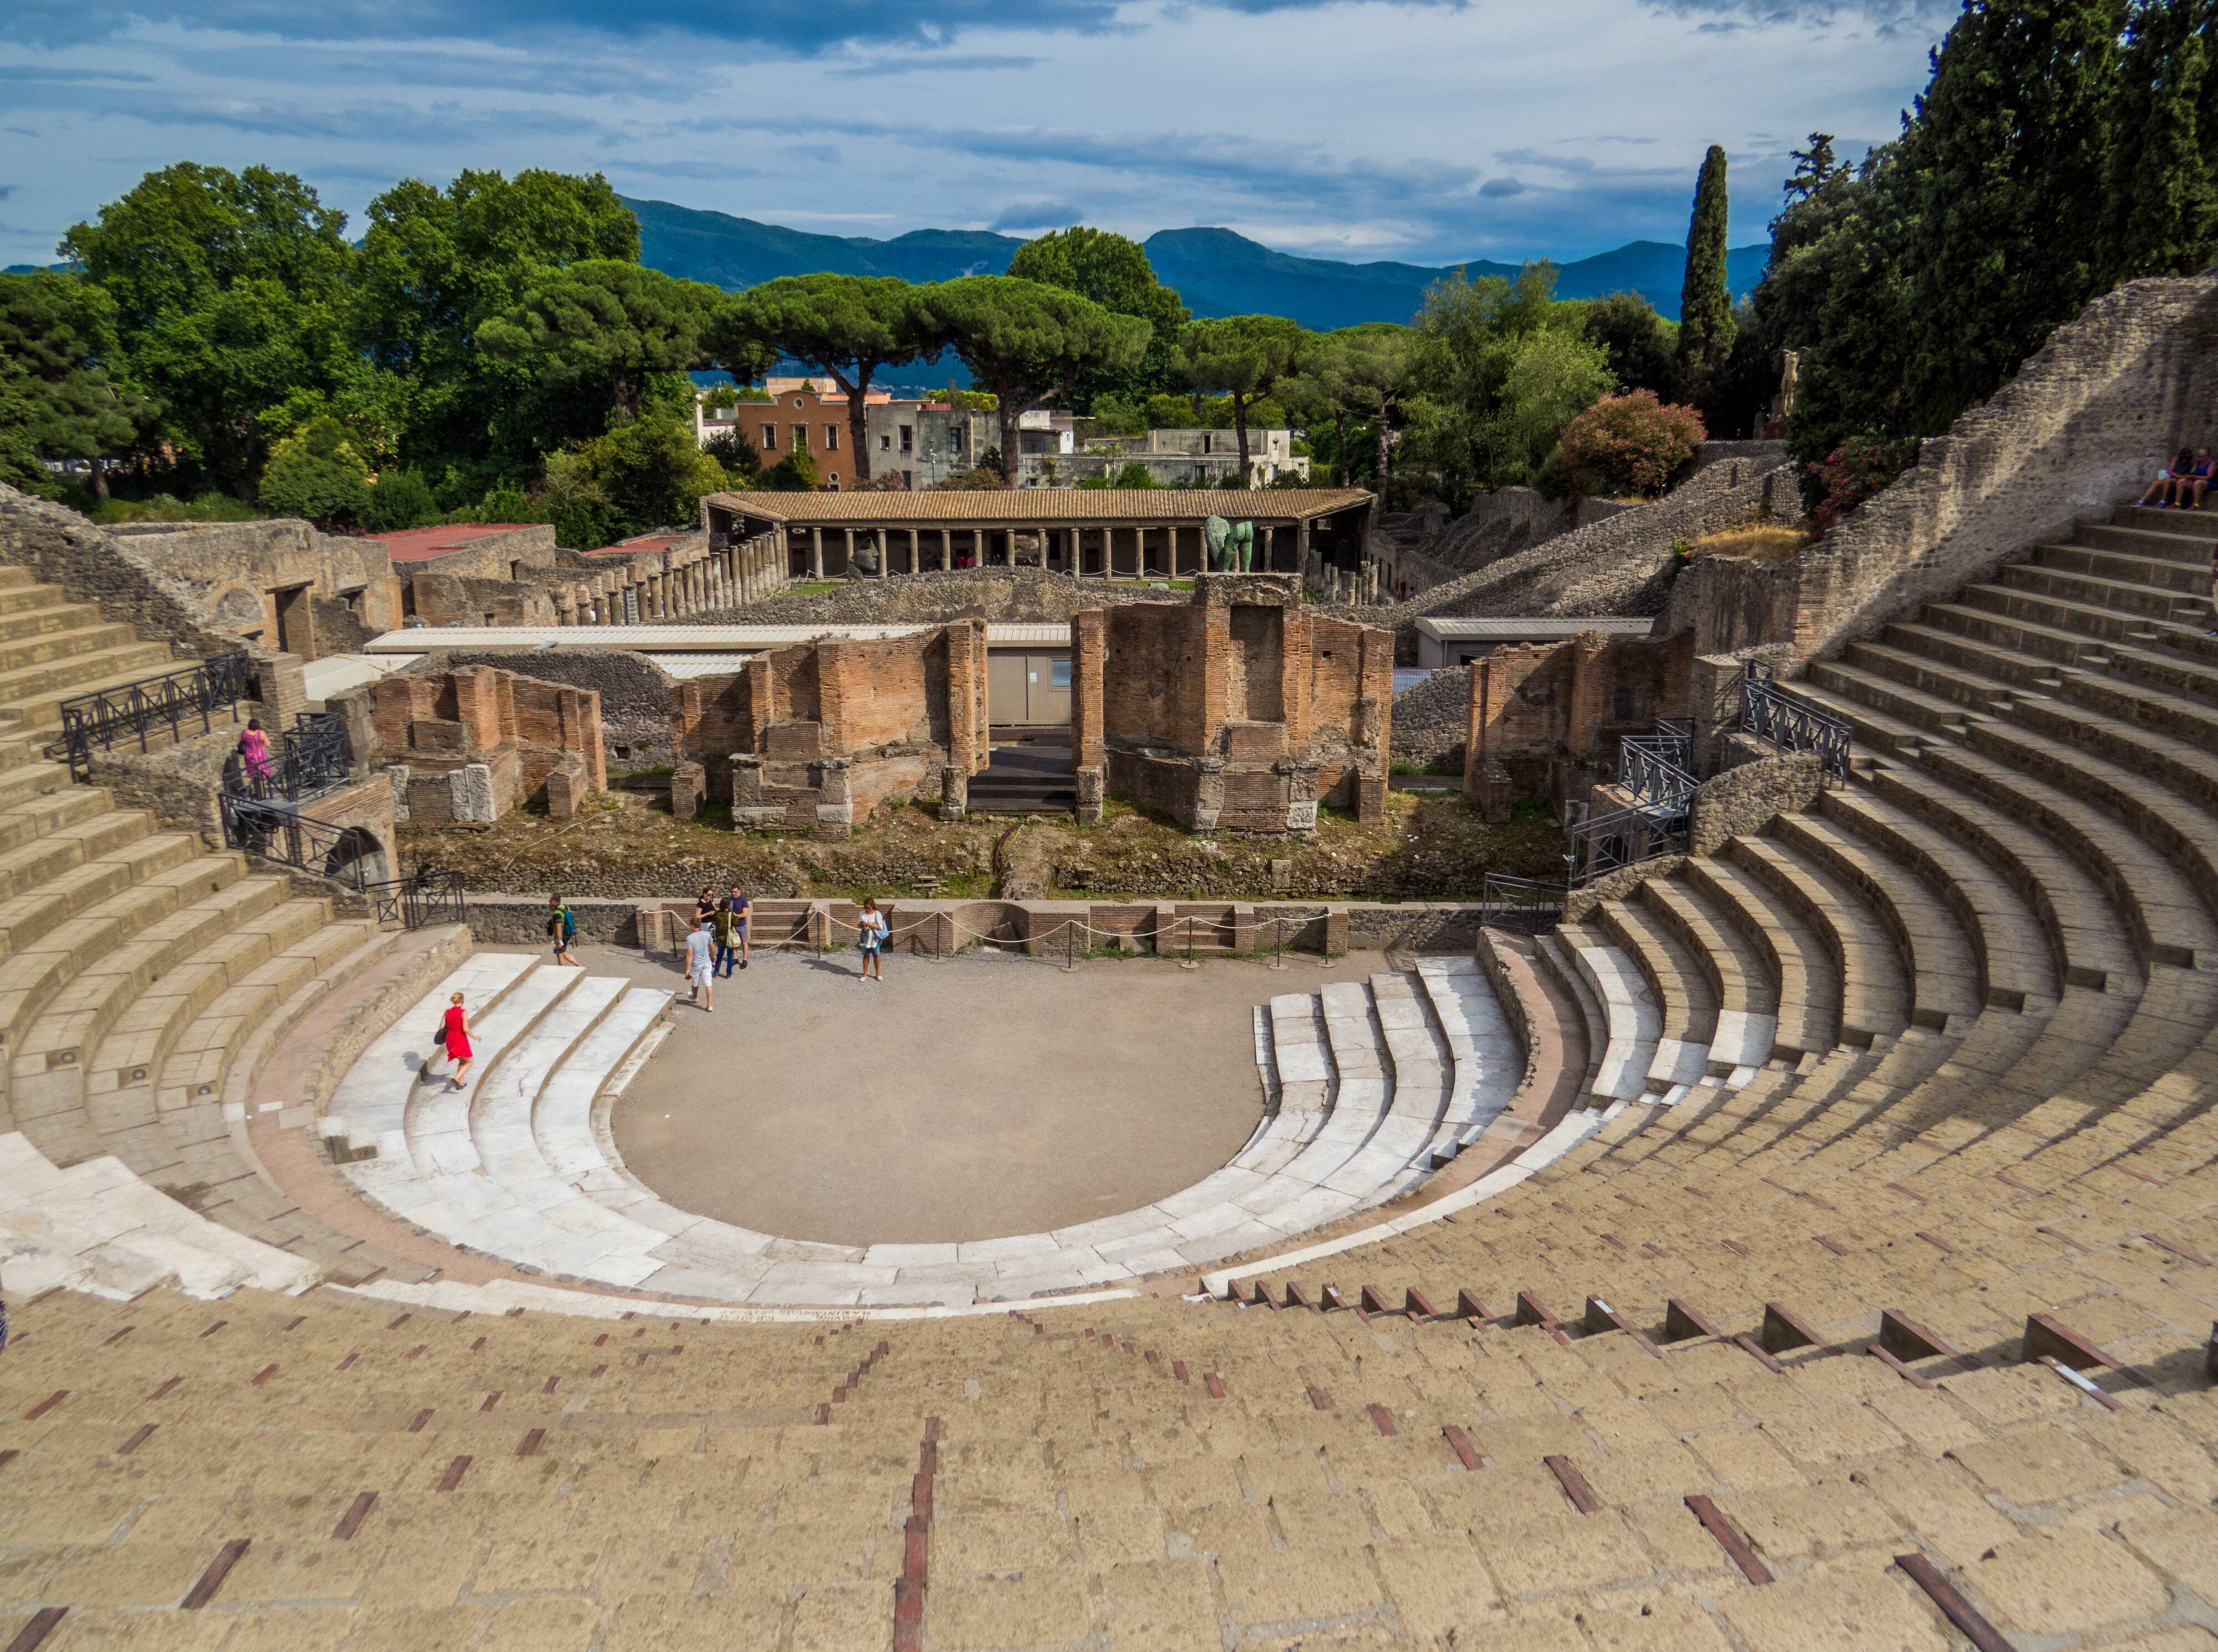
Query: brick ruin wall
<point x="635" y="692"/>
<point x="434" y="730"/>
<point x="1238" y="711"/>
<point x="1548" y="717"/>
<point x="836" y="726"/>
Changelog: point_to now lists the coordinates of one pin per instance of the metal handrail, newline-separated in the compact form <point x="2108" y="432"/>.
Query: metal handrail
<point x="276" y="830"/>
<point x="1770" y="713"/>
<point x="1644" y="769"/>
<point x="1508" y="902"/>
<point x="164" y="701"/>
<point x="1607" y="842"/>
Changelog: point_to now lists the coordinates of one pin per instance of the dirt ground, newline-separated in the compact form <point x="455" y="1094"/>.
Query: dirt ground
<point x="1430" y="846"/>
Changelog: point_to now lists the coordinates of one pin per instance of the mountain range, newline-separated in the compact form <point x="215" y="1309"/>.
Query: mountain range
<point x="1216" y="271"/>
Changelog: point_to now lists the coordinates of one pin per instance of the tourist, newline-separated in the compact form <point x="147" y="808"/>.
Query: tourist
<point x="2168" y="480"/>
<point x="727" y="945"/>
<point x="457" y="1028"/>
<point x="2212" y="631"/>
<point x="2197" y="481"/>
<point x="562" y="929"/>
<point x="254" y="751"/>
<point x="740" y="922"/>
<point x="704" y="909"/>
<point x="701" y="968"/>
<point x="873" y="926"/>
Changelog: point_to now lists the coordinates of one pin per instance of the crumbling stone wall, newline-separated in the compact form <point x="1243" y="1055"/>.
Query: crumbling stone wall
<point x="91" y="566"/>
<point x="231" y="574"/>
<point x="635" y="692"/>
<point x="454" y="599"/>
<point x="1239" y="711"/>
<point x="933" y="597"/>
<point x="2089" y="418"/>
<point x="819" y="734"/>
<point x="1743" y="799"/>
<point x="1431" y="721"/>
<point x="1548" y="716"/>
<point x="467" y="745"/>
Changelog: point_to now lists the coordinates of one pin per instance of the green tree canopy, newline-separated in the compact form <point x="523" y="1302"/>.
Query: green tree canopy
<point x="1705" y="318"/>
<point x="1027" y="342"/>
<point x="1114" y="272"/>
<point x="1638" y="341"/>
<point x="57" y="333"/>
<point x="622" y="320"/>
<point x="1370" y="373"/>
<point x="229" y="291"/>
<point x="1240" y="357"/>
<point x="847" y="326"/>
<point x="435" y="264"/>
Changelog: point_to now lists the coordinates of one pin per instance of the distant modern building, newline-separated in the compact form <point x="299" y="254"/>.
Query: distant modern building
<point x="1207" y="458"/>
<point x="921" y="442"/>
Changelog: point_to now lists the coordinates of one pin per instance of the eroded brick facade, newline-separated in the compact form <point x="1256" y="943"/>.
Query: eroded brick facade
<point x="1546" y="717"/>
<point x="468" y="744"/>
<point x="819" y="734"/>
<point x="1239" y="711"/>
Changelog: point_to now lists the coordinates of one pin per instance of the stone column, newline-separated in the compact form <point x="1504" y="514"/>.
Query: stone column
<point x="566" y="606"/>
<point x="835" y="806"/>
<point x="816" y="554"/>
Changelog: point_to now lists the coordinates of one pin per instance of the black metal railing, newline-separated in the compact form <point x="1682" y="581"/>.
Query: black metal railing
<point x="1605" y="842"/>
<point x="307" y="761"/>
<point x="276" y="830"/>
<point x="1521" y="903"/>
<point x="1654" y="768"/>
<point x="133" y="711"/>
<point x="1768" y="712"/>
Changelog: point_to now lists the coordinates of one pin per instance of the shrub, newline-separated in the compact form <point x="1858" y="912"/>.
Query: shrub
<point x="1630" y="444"/>
<point x="398" y="499"/>
<point x="315" y="474"/>
<point x="795" y="474"/>
<point x="986" y="479"/>
<point x="1856" y="470"/>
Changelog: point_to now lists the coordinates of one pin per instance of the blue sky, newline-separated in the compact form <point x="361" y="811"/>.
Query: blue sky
<point x="1337" y="128"/>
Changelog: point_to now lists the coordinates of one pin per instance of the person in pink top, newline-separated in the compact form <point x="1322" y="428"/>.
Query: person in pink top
<point x="254" y="751"/>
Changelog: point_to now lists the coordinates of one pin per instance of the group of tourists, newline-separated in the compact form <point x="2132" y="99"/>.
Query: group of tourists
<point x="2181" y="485"/>
<point x="718" y="940"/>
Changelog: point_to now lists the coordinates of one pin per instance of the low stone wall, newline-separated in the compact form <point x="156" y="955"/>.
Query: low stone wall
<point x="1019" y="595"/>
<point x="91" y="566"/>
<point x="1327" y="927"/>
<point x="1432" y="721"/>
<point x="1744" y="799"/>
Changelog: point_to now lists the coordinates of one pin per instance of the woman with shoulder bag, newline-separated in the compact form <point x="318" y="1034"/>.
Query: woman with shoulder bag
<point x="455" y="1033"/>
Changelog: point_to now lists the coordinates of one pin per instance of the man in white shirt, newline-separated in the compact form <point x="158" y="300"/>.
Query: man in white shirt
<point x="701" y="967"/>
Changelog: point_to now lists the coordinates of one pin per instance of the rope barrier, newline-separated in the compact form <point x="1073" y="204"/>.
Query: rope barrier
<point x="1067" y="929"/>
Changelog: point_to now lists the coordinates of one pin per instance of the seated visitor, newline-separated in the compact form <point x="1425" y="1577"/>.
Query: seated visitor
<point x="2188" y="490"/>
<point x="2159" y="491"/>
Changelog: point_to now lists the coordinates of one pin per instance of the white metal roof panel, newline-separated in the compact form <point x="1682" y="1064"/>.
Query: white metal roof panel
<point x="700" y="665"/>
<point x="1538" y="627"/>
<point x="337" y="673"/>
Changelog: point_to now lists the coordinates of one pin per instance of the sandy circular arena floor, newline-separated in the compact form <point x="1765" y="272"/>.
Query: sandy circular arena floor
<point x="966" y="1099"/>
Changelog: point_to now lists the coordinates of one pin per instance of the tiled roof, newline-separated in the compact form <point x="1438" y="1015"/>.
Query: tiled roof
<point x="1047" y="506"/>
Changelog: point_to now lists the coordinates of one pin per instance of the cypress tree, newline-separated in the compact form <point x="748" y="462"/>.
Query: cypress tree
<point x="2007" y="162"/>
<point x="2161" y="185"/>
<point x="1705" y="319"/>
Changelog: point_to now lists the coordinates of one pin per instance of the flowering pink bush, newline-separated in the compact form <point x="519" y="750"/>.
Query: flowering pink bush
<point x="1856" y="470"/>
<point x="1630" y="444"/>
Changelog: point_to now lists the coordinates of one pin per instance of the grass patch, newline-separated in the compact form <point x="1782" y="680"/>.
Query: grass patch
<point x="1762" y="543"/>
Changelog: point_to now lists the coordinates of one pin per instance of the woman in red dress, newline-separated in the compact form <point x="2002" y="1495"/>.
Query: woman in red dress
<point x="457" y="1023"/>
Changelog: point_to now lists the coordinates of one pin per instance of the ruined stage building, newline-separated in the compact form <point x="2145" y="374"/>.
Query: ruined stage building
<point x="1106" y="533"/>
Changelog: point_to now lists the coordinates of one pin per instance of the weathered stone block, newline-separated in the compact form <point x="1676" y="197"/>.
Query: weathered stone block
<point x="955" y="792"/>
<point x="471" y="789"/>
<point x="689" y="787"/>
<point x="567" y="785"/>
<point x="794" y="740"/>
<point x="1090" y="792"/>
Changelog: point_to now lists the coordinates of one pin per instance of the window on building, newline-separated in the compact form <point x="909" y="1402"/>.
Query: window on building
<point x="796" y="401"/>
<point x="769" y="437"/>
<point x="515" y="570"/>
<point x="831" y="438"/>
<point x="801" y="435"/>
<point x="1058" y="674"/>
<point x="908" y="479"/>
<point x="885" y="443"/>
<point x="832" y="483"/>
<point x="909" y="439"/>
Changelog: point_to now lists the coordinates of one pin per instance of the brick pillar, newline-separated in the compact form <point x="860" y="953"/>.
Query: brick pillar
<point x="1089" y="655"/>
<point x="281" y="683"/>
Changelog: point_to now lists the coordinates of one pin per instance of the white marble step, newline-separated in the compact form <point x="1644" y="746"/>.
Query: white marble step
<point x="562" y="1115"/>
<point x="98" y="1227"/>
<point x="1424" y="1070"/>
<point x="1302" y="1063"/>
<point x="1635" y="1023"/>
<point x="438" y="1116"/>
<point x="501" y="1112"/>
<point x="369" y="1108"/>
<point x="1490" y="1064"/>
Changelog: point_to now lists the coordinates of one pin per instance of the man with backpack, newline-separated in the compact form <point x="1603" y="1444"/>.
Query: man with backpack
<point x="561" y="928"/>
<point x="739" y="901"/>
